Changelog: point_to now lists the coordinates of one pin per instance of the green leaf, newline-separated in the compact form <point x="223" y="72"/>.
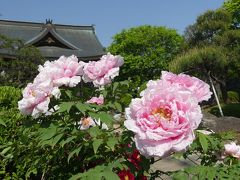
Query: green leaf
<point x="96" y="144"/>
<point x="4" y="151"/>
<point x="115" y="85"/>
<point x="118" y="106"/>
<point x="112" y="141"/>
<point x="69" y="94"/>
<point x="56" y="139"/>
<point x="94" y="131"/>
<point x="62" y="143"/>
<point x="65" y="106"/>
<point x="106" y="118"/>
<point x="211" y="174"/>
<point x="47" y="133"/>
<point x="2" y="123"/>
<point x="76" y="176"/>
<point x="109" y="175"/>
<point x="94" y="175"/>
<point x="180" y="176"/>
<point x="83" y="107"/>
<point x="203" y="141"/>
<point x="94" y="115"/>
<point x="75" y="151"/>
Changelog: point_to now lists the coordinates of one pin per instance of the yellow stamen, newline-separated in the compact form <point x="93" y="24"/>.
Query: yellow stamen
<point x="162" y="112"/>
<point x="85" y="121"/>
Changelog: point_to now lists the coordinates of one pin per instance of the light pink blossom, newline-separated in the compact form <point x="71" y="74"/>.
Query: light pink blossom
<point x="64" y="71"/>
<point x="36" y="98"/>
<point x="86" y="123"/>
<point x="232" y="149"/>
<point x="96" y="100"/>
<point x="103" y="71"/>
<point x="163" y="119"/>
<point x="200" y="89"/>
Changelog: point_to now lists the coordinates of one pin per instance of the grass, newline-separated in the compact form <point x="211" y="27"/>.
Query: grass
<point x="232" y="109"/>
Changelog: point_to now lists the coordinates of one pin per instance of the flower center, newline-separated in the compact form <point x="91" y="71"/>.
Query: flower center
<point x="32" y="93"/>
<point x="165" y="113"/>
<point x="85" y="121"/>
<point x="126" y="177"/>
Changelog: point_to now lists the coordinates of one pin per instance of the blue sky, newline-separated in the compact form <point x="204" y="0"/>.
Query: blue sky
<point x="109" y="16"/>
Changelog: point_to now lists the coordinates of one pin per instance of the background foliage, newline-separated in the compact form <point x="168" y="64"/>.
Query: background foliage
<point x="147" y="50"/>
<point x="22" y="67"/>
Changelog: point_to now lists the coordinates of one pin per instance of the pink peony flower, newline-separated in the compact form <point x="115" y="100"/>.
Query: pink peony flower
<point x="200" y="89"/>
<point x="232" y="149"/>
<point x="86" y="123"/>
<point x="36" y="98"/>
<point x="163" y="119"/>
<point x="96" y="100"/>
<point x="64" y="71"/>
<point x="103" y="71"/>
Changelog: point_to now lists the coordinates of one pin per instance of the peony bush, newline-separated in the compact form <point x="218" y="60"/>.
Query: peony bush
<point x="80" y="124"/>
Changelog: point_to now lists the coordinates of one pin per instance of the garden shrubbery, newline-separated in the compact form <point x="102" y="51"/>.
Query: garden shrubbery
<point x="79" y="132"/>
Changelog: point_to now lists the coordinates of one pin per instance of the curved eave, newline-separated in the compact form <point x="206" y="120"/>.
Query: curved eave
<point x="54" y="34"/>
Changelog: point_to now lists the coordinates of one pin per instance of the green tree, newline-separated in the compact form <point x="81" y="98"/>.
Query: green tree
<point x="207" y="26"/>
<point x="213" y="28"/>
<point x="230" y="40"/>
<point x="206" y="63"/>
<point x="22" y="68"/>
<point x="147" y="50"/>
<point x="233" y="6"/>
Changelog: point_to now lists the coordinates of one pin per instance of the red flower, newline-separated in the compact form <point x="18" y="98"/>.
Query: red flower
<point x="143" y="177"/>
<point x="126" y="175"/>
<point x="135" y="158"/>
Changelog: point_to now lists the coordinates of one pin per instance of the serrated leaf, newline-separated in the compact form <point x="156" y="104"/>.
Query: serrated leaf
<point x="203" y="141"/>
<point x="96" y="144"/>
<point x="75" y="151"/>
<point x="62" y="143"/>
<point x="69" y="94"/>
<point x="109" y="175"/>
<point x="56" y="139"/>
<point x="112" y="141"/>
<point x="180" y="176"/>
<point x="4" y="151"/>
<point x="211" y="174"/>
<point x="104" y="93"/>
<point x="94" y="175"/>
<point x="115" y="85"/>
<point x="94" y="131"/>
<point x="83" y="107"/>
<point x="65" y="106"/>
<point x="45" y="142"/>
<point x="106" y="118"/>
<point x="47" y="133"/>
<point x="76" y="176"/>
<point x="94" y="115"/>
<point x="118" y="106"/>
<point x="2" y="123"/>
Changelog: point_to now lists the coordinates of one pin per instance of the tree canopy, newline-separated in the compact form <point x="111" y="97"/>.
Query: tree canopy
<point x="21" y="69"/>
<point x="233" y="6"/>
<point x="207" y="26"/>
<point x="146" y="49"/>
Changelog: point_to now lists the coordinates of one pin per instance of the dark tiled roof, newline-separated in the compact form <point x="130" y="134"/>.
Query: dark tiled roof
<point x="78" y="40"/>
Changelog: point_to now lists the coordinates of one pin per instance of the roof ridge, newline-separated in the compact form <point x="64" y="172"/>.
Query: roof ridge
<point x="41" y="23"/>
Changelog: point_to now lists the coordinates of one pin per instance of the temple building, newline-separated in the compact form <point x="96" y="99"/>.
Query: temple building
<point x="54" y="40"/>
